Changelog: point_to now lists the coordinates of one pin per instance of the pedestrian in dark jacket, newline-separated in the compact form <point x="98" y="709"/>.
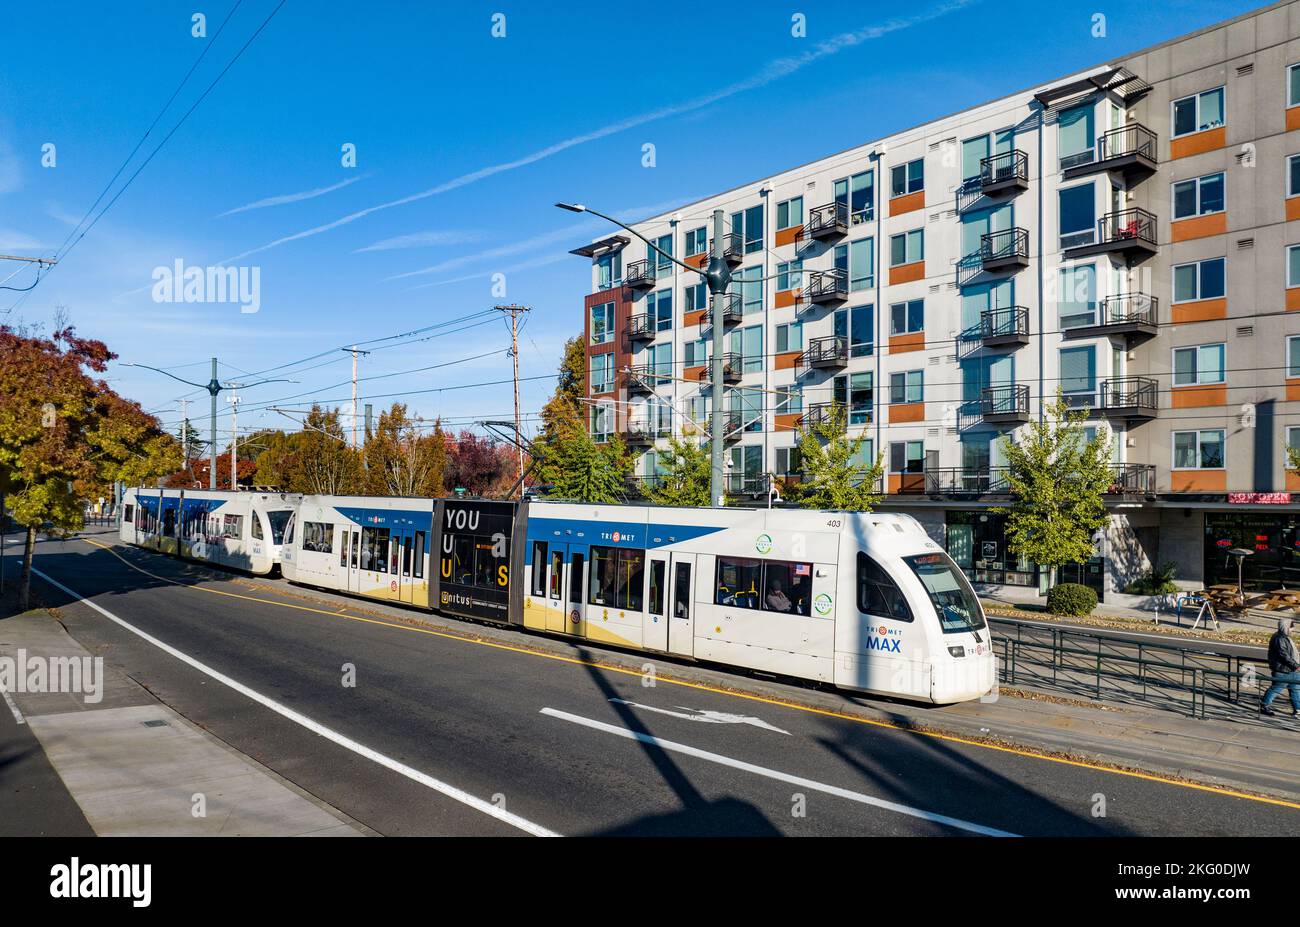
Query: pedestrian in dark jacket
<point x="1284" y="667"/>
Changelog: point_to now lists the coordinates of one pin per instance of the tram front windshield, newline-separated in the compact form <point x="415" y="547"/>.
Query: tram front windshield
<point x="951" y="595"/>
<point x="278" y="519"/>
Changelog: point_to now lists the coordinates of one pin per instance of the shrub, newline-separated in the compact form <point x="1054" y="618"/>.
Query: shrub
<point x="1071" y="599"/>
<point x="1159" y="581"/>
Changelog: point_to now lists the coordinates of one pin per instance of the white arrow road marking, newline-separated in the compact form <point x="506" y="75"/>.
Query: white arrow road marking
<point x="347" y="743"/>
<point x="780" y="776"/>
<point x="708" y="717"/>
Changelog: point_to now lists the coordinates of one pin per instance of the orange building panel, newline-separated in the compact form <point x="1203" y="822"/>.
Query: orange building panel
<point x="1200" y="227"/>
<point x="902" y="344"/>
<point x="911" y="202"/>
<point x="1198" y="142"/>
<point x="906" y="273"/>
<point x="788" y="236"/>
<point x="1195" y="397"/>
<point x="1198" y="480"/>
<point x="1201" y="310"/>
<point x="905" y="412"/>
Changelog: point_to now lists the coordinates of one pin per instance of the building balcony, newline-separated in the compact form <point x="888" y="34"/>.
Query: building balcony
<point x="957" y="481"/>
<point x="1132" y="480"/>
<point x="638" y="433"/>
<point x="643" y="378"/>
<point x="1133" y="315"/>
<point x="1005" y="405"/>
<point x="1130" y="397"/>
<point x="733" y="248"/>
<point x="1005" y="250"/>
<point x="827" y="222"/>
<point x="639" y="275"/>
<point x="640" y="487"/>
<point x="822" y="413"/>
<point x="747" y="484"/>
<point x="825" y="286"/>
<point x="1004" y="173"/>
<point x="732" y="310"/>
<point x="1001" y="328"/>
<point x="731" y="370"/>
<point x="1128" y="232"/>
<point x="731" y="426"/>
<point x="828" y="353"/>
<point x="641" y="327"/>
<point x="1129" y="150"/>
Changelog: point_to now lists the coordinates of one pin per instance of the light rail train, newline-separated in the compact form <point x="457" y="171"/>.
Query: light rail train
<point x="866" y="602"/>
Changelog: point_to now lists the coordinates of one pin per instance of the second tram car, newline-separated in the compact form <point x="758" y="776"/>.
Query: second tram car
<point x="866" y="602"/>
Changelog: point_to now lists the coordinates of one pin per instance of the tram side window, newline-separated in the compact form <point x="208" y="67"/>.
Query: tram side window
<point x="233" y="527"/>
<point x="557" y="573"/>
<point x="317" y="536"/>
<point x="169" y="522"/>
<point x="617" y="577"/>
<point x="256" y="525"/>
<point x="877" y="593"/>
<point x="129" y="513"/>
<point x="539" y="568"/>
<point x="657" y="587"/>
<point x="406" y="557"/>
<point x="769" y="585"/>
<point x="343" y="548"/>
<point x="374" y="549"/>
<point x="682" y="591"/>
<point x="417" y="568"/>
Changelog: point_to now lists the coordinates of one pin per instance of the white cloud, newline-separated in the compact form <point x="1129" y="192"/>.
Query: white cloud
<point x="774" y="70"/>
<point x="286" y="198"/>
<point x="424" y="240"/>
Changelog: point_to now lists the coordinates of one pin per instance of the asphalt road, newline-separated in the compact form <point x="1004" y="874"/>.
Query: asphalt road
<point x="441" y="735"/>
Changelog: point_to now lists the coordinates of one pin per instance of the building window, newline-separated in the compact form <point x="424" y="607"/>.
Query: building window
<point x="1293" y="175"/>
<point x="789" y="337"/>
<point x="1078" y="215"/>
<point x="602" y="323"/>
<point x="907" y="178"/>
<point x="1198" y="112"/>
<point x="659" y="307"/>
<point x="602" y="373"/>
<point x="1076" y="135"/>
<point x="609" y="270"/>
<point x="1200" y="280"/>
<point x="1293" y="266"/>
<point x="907" y="318"/>
<point x="789" y="213"/>
<point x="861" y="397"/>
<point x="857" y="324"/>
<point x="859" y="194"/>
<point x="749" y="284"/>
<point x="789" y="462"/>
<point x="697" y="353"/>
<point x="602" y="422"/>
<point x="1293" y="357"/>
<point x="1079" y="376"/>
<point x="789" y="275"/>
<point x="748" y="343"/>
<point x="1198" y="450"/>
<point x="789" y="399"/>
<point x="697" y="241"/>
<point x="1199" y="196"/>
<point x="907" y="248"/>
<point x="1077" y="302"/>
<point x="1293" y="85"/>
<point x="907" y="457"/>
<point x="1292" y="439"/>
<point x="748" y="224"/>
<point x="1199" y="365"/>
<point x="908" y="386"/>
<point x="697" y="298"/>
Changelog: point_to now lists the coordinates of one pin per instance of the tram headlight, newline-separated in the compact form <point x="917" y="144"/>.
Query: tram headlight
<point x="957" y="651"/>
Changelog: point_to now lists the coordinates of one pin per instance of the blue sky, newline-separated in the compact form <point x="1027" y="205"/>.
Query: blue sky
<point x="463" y="143"/>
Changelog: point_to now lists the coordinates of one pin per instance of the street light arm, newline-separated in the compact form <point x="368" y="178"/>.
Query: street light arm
<point x="626" y="227"/>
<point x="165" y="373"/>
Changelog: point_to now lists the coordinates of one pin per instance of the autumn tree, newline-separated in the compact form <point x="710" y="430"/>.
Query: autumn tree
<point x="835" y="477"/>
<point x="323" y="462"/>
<point x="476" y="464"/>
<point x="401" y="460"/>
<point x="1058" y="479"/>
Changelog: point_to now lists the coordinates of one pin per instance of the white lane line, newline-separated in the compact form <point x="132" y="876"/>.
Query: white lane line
<point x="13" y="706"/>
<point x="347" y="743"/>
<point x="810" y="784"/>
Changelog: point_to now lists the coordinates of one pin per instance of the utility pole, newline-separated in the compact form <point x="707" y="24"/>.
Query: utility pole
<point x="185" y="434"/>
<point x="515" y="312"/>
<point x="233" y="399"/>
<point x="355" y="352"/>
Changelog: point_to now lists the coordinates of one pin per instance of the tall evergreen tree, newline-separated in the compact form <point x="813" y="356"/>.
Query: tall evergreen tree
<point x="685" y="471"/>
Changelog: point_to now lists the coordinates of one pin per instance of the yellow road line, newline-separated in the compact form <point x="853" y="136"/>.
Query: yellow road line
<point x="778" y="702"/>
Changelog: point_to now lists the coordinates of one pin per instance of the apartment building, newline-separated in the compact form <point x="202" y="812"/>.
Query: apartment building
<point x="1128" y="235"/>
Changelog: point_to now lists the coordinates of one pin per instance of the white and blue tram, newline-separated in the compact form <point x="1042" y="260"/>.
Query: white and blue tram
<point x="866" y="602"/>
<point x="243" y="530"/>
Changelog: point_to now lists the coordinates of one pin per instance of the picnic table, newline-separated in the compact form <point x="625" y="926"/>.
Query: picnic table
<point x="1282" y="600"/>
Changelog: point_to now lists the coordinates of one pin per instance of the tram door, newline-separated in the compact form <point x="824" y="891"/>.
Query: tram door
<point x="654" y="628"/>
<point x="350" y="559"/>
<point x="681" y="605"/>
<point x="563" y="589"/>
<point x="402" y="551"/>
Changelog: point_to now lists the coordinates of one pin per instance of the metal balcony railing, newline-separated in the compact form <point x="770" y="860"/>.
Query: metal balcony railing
<point x="732" y="309"/>
<point x="820" y="413"/>
<point x="827" y="353"/>
<point x="824" y="286"/>
<point x="1008" y="170"/>
<point x="1132" y="139"/>
<point x="1130" y="309"/>
<point x="733" y="247"/>
<point x="731" y="369"/>
<point x="958" y="481"/>
<point x="1005" y="249"/>
<point x="1136" y="396"/>
<point x="1133" y="479"/>
<point x="1005" y="403"/>
<point x="731" y="425"/>
<point x="639" y="275"/>
<point x="828" y="221"/>
<point x="1004" y="326"/>
<point x="641" y="327"/>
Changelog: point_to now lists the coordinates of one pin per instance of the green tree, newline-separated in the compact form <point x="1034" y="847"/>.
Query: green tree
<point x="324" y="463"/>
<point x="834" y="476"/>
<point x="584" y="471"/>
<point x="274" y="452"/>
<point x="1058" y="480"/>
<point x="401" y="460"/>
<point x="684" y="475"/>
<point x="563" y="417"/>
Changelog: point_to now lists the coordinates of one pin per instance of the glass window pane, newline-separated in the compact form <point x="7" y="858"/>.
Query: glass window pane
<point x="1212" y="193"/>
<point x="1185" y="116"/>
<point x="1211" y="109"/>
<point x="1212" y="279"/>
<point x="1184" y="199"/>
<point x="1185" y="449"/>
<point x="1212" y="449"/>
<point x="1184" y="366"/>
<point x="1078" y="211"/>
<point x="1185" y="280"/>
<point x="1209" y="363"/>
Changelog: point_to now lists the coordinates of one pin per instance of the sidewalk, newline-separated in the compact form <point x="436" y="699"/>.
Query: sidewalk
<point x="127" y="765"/>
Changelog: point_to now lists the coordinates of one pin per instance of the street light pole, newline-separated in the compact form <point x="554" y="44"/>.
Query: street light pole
<point x="718" y="277"/>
